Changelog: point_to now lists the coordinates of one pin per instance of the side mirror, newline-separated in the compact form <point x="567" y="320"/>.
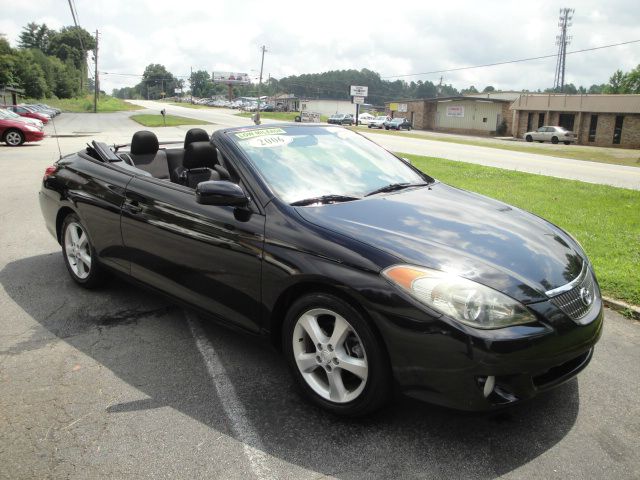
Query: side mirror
<point x="220" y="192"/>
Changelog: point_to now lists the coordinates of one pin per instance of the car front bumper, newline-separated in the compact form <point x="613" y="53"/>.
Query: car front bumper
<point x="441" y="362"/>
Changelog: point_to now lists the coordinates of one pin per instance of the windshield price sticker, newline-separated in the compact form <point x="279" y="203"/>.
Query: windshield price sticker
<point x="258" y="133"/>
<point x="270" y="141"/>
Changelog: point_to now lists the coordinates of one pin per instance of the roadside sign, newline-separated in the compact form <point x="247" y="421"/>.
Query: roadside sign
<point x="455" y="111"/>
<point x="402" y="107"/>
<point x="358" y="100"/>
<point x="230" y="78"/>
<point x="393" y="107"/>
<point x="359" y="91"/>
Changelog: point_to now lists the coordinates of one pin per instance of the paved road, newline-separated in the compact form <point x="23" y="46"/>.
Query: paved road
<point x="120" y="383"/>
<point x="592" y="172"/>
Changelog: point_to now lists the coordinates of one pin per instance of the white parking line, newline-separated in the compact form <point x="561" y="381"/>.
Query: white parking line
<point x="233" y="408"/>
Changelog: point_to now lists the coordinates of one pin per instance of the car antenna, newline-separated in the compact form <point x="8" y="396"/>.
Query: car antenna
<point x="57" y="139"/>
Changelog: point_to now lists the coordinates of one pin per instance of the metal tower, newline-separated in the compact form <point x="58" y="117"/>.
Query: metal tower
<point x="562" y="40"/>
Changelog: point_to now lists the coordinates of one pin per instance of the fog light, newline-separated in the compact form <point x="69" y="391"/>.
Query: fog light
<point x="488" y="386"/>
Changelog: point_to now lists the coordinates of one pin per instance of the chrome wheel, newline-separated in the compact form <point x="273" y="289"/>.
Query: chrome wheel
<point x="330" y="355"/>
<point x="13" y="138"/>
<point x="77" y="250"/>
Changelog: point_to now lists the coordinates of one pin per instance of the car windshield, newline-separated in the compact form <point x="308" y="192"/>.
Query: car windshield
<point x="381" y="118"/>
<point x="305" y="162"/>
<point x="397" y="120"/>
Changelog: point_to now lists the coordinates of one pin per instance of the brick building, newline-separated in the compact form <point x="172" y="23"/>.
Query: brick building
<point x="474" y="115"/>
<point x="603" y="120"/>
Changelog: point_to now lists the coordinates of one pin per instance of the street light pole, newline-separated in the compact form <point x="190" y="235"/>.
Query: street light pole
<point x="257" y="115"/>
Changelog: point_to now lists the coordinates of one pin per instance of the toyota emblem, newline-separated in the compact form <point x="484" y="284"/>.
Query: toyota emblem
<point x="586" y="297"/>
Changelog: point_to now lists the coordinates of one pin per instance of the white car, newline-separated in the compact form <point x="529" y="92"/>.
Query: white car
<point x="551" y="134"/>
<point x="365" y="118"/>
<point x="378" y="122"/>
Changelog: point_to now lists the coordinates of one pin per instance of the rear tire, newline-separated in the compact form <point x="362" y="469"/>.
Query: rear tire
<point x="335" y="356"/>
<point x="529" y="138"/>
<point x="79" y="255"/>
<point x="567" y="143"/>
<point x="13" y="137"/>
<point x="554" y="140"/>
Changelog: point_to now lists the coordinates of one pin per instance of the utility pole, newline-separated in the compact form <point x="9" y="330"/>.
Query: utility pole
<point x="439" y="88"/>
<point x="257" y="115"/>
<point x="96" y="83"/>
<point x="562" y="40"/>
<point x="191" y="84"/>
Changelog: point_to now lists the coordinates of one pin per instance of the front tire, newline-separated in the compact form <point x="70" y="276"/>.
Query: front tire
<point x="529" y="138"/>
<point x="335" y="356"/>
<point x="79" y="255"/>
<point x="13" y="137"/>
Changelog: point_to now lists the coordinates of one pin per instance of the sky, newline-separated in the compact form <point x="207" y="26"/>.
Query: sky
<point x="392" y="39"/>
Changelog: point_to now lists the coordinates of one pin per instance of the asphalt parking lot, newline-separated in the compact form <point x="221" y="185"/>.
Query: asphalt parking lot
<point x="120" y="383"/>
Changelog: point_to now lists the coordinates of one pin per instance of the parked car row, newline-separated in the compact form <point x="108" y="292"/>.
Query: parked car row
<point x="15" y="129"/>
<point x="240" y="104"/>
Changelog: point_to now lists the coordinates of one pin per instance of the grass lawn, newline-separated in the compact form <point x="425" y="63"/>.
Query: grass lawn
<point x="618" y="156"/>
<point x="284" y="116"/>
<point x="151" y="120"/>
<point x="85" y="104"/>
<point x="605" y="220"/>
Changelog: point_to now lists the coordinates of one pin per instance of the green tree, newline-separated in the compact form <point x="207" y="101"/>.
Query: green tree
<point x="30" y="75"/>
<point x="156" y="82"/>
<point x="201" y="85"/>
<point x="470" y="90"/>
<point x="631" y="81"/>
<point x="72" y="43"/>
<point x="35" y="36"/>
<point x="615" y="82"/>
<point x="488" y="89"/>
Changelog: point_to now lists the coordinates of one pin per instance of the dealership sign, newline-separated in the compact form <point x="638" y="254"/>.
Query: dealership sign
<point x="231" y="78"/>
<point x="358" y="100"/>
<point x="359" y="91"/>
<point x="455" y="111"/>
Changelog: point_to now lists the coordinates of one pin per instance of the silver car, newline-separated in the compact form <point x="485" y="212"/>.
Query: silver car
<point x="551" y="134"/>
<point x="378" y="122"/>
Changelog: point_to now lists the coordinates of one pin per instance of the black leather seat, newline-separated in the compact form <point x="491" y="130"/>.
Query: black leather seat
<point x="199" y="158"/>
<point x="146" y="155"/>
<point x="176" y="156"/>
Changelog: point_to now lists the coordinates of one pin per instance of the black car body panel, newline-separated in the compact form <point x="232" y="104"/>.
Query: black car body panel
<point x="245" y="264"/>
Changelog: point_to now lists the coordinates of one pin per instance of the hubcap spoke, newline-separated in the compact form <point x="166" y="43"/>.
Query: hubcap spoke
<point x="307" y="362"/>
<point x="74" y="234"/>
<point x="85" y="259"/>
<point x="356" y="366"/>
<point x="82" y="240"/>
<point x="337" y="391"/>
<point x="310" y="325"/>
<point x="340" y="331"/>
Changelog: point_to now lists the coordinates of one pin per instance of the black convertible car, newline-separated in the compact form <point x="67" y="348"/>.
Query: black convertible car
<point x="366" y="272"/>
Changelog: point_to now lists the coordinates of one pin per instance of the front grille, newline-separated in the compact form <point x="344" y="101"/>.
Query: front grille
<point x="572" y="302"/>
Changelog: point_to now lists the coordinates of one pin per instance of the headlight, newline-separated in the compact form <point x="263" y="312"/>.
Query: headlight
<point x="464" y="300"/>
<point x="31" y="128"/>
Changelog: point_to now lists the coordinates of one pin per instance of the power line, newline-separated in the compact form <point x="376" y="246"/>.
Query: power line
<point x="512" y="61"/>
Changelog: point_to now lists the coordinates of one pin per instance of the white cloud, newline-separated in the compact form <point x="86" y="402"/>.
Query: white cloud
<point x="305" y="37"/>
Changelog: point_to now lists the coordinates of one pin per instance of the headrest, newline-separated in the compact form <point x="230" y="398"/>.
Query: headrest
<point x="144" y="142"/>
<point x="195" y="135"/>
<point x="199" y="154"/>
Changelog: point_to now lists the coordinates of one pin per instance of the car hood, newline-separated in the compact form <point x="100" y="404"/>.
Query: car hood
<point x="450" y="229"/>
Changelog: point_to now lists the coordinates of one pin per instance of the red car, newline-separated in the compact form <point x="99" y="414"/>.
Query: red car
<point x="16" y="132"/>
<point x="27" y="112"/>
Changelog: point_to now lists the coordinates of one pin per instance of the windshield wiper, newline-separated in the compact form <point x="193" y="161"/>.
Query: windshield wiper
<point x="395" y="186"/>
<point x="324" y="199"/>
